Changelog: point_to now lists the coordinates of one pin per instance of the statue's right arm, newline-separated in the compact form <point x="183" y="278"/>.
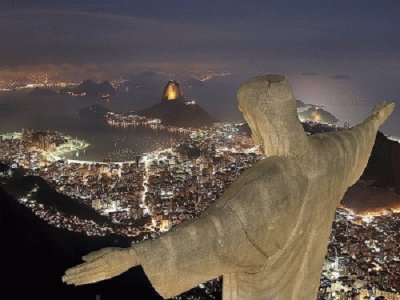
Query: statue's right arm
<point x="212" y="245"/>
<point x="205" y="248"/>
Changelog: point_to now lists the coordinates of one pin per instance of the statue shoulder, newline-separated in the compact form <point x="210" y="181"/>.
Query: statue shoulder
<point x="273" y="174"/>
<point x="268" y="202"/>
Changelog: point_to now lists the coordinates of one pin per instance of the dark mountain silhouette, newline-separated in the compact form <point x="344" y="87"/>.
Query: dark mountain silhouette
<point x="300" y="103"/>
<point x="106" y="88"/>
<point x="173" y="110"/>
<point x="363" y="197"/>
<point x="35" y="256"/>
<point x="379" y="187"/>
<point x="90" y="88"/>
<point x="384" y="164"/>
<point x="177" y="113"/>
<point x="42" y="92"/>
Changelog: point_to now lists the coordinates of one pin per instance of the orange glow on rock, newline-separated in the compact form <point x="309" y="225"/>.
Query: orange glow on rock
<point x="172" y="91"/>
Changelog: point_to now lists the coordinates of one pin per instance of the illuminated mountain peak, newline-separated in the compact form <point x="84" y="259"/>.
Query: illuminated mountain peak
<point x="172" y="91"/>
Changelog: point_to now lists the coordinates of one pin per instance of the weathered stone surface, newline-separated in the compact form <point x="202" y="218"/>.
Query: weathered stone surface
<point x="267" y="235"/>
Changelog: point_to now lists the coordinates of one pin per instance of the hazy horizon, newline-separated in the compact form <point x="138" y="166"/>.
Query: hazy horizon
<point x="343" y="55"/>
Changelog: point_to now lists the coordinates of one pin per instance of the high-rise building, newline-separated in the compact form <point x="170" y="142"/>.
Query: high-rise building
<point x="96" y="204"/>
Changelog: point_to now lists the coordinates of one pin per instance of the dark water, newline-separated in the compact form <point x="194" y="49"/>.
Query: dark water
<point x="62" y="114"/>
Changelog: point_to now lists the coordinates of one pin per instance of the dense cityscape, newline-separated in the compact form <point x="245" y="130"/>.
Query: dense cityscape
<point x="145" y="197"/>
<point x="166" y="186"/>
<point x="363" y="260"/>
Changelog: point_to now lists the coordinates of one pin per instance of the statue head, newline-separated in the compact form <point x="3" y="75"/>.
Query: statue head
<point x="268" y="105"/>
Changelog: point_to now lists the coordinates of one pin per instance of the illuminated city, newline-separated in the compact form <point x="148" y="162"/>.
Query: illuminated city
<point x="165" y="187"/>
<point x="146" y="197"/>
<point x="122" y="124"/>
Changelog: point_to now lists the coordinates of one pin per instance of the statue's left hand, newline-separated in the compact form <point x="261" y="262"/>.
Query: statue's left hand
<point x="100" y="265"/>
<point x="382" y="111"/>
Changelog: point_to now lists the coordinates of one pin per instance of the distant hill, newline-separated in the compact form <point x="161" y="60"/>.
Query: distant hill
<point x="106" y="88"/>
<point x="42" y="92"/>
<point x="379" y="187"/>
<point x="362" y="197"/>
<point x="300" y="104"/>
<point x="177" y="113"/>
<point x="384" y="164"/>
<point x="90" y="88"/>
<point x="35" y="256"/>
<point x="314" y="113"/>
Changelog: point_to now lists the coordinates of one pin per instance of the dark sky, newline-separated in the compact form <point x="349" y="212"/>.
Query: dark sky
<point x="342" y="54"/>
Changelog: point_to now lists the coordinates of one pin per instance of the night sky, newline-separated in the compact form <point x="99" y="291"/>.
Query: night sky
<point x="341" y="54"/>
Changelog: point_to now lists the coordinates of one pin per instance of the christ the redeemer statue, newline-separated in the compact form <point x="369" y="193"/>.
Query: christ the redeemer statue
<point x="268" y="233"/>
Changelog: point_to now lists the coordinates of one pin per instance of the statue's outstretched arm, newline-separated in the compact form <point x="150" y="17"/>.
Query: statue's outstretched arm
<point x="212" y="245"/>
<point x="354" y="145"/>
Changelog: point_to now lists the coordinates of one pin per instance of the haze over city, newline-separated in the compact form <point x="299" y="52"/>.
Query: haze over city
<point x="343" y="55"/>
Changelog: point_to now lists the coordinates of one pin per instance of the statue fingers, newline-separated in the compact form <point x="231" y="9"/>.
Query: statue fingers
<point x="94" y="275"/>
<point x="88" y="278"/>
<point x="86" y="266"/>
<point x="384" y="106"/>
<point x="386" y="111"/>
<point x="382" y="111"/>
<point x="110" y="273"/>
<point x="73" y="278"/>
<point x="391" y="106"/>
<point x="92" y="279"/>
